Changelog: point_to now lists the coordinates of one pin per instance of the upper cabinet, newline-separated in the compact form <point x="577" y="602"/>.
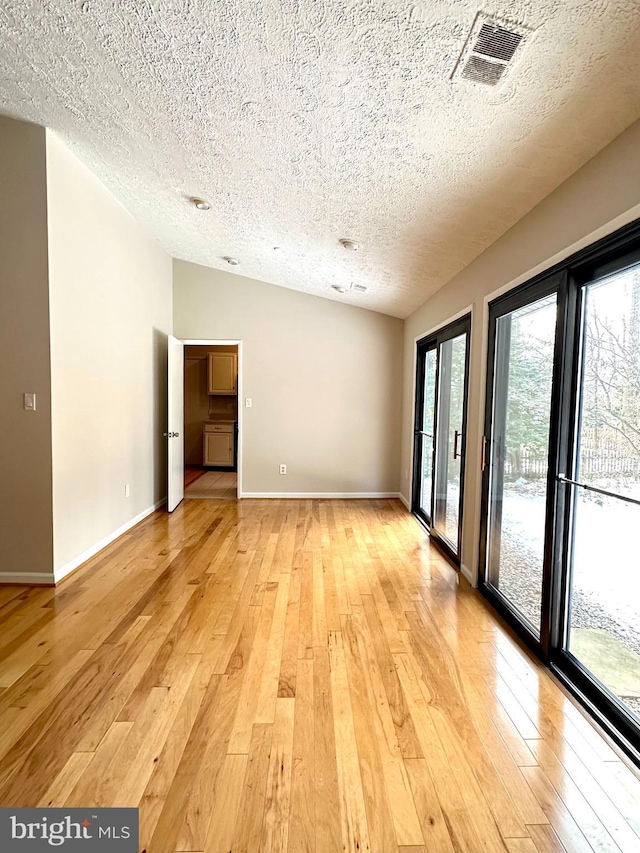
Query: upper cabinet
<point x="223" y="373"/>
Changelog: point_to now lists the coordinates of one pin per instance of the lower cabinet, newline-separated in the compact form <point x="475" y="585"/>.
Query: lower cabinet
<point x="218" y="444"/>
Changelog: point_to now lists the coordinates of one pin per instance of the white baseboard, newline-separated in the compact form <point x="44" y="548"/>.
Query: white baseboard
<point x="405" y="501"/>
<point x="321" y="495"/>
<point x="27" y="578"/>
<point x="466" y="571"/>
<point x="69" y="567"/>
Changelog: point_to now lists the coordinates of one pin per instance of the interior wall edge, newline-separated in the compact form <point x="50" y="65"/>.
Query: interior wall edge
<point x="110" y="297"/>
<point x="26" y="508"/>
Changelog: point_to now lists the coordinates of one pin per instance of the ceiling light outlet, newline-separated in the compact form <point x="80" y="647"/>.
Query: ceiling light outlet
<point x="231" y="261"/>
<point x="351" y="245"/>
<point x="341" y="288"/>
<point x="201" y="204"/>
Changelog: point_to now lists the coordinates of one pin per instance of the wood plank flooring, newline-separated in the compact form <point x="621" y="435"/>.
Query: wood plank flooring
<point x="302" y="676"/>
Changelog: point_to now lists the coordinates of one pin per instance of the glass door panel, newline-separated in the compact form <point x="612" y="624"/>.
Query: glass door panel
<point x="519" y="454"/>
<point x="441" y="395"/>
<point x="428" y="419"/>
<point x="450" y="438"/>
<point x="603" y="625"/>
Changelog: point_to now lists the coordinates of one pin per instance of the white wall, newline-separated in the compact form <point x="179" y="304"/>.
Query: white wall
<point x="25" y="450"/>
<point x="111" y="309"/>
<point x="325" y="380"/>
<point x="597" y="199"/>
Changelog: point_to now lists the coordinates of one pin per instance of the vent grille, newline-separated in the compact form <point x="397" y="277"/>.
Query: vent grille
<point x="482" y="71"/>
<point x="489" y="50"/>
<point x="497" y="42"/>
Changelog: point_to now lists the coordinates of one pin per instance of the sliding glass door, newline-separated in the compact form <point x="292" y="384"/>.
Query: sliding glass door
<point x="425" y="433"/>
<point x="602" y="632"/>
<point x="560" y="520"/>
<point x="440" y="430"/>
<point x="524" y="339"/>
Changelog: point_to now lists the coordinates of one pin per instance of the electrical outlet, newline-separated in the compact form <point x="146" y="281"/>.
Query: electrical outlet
<point x="283" y="469"/>
<point x="127" y="490"/>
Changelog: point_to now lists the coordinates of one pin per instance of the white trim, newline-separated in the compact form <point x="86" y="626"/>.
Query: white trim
<point x="27" y="578"/>
<point x="240" y="398"/>
<point x="452" y="319"/>
<point x="322" y="495"/>
<point x="404" y="501"/>
<point x="203" y="342"/>
<point x="468" y="574"/>
<point x="591" y="238"/>
<point x="59" y="574"/>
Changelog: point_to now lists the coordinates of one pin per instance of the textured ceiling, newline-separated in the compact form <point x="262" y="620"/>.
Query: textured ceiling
<point x="303" y="121"/>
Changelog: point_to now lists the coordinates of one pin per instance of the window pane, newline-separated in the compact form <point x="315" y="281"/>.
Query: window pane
<point x="427" y="427"/>
<point x="450" y="421"/>
<point x="523" y="371"/>
<point x="604" y="631"/>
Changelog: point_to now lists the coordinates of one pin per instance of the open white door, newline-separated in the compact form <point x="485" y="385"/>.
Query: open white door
<point x="175" y="424"/>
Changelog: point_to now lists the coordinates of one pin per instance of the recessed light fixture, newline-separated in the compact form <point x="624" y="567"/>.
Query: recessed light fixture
<point x="201" y="204"/>
<point x="232" y="261"/>
<point x="351" y="245"/>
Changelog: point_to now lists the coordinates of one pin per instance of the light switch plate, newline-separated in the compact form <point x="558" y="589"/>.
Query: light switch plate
<point x="30" y="402"/>
<point x="248" y="402"/>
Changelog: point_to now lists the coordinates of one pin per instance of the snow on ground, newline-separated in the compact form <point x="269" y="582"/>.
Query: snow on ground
<point x="606" y="566"/>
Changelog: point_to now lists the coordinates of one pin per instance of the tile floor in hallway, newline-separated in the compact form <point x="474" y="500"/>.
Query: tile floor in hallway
<point x="220" y="485"/>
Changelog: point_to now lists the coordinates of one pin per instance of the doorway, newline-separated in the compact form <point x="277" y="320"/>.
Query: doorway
<point x="205" y="420"/>
<point x="442" y="374"/>
<point x="561" y="484"/>
<point x="210" y="421"/>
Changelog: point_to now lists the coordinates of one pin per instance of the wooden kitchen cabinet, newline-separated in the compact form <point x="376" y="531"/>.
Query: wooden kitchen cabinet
<point x="222" y="374"/>
<point x="219" y="441"/>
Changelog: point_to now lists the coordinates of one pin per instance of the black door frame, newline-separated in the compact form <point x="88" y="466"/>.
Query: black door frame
<point x="432" y="341"/>
<point x="614" y="253"/>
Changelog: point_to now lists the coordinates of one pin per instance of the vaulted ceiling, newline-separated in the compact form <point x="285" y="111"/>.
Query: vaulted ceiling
<point x="306" y="121"/>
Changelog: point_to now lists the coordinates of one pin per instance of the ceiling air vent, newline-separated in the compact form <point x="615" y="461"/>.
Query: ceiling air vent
<point x="489" y="50"/>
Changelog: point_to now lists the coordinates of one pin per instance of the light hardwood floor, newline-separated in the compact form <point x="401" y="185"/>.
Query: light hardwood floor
<point x="297" y="676"/>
